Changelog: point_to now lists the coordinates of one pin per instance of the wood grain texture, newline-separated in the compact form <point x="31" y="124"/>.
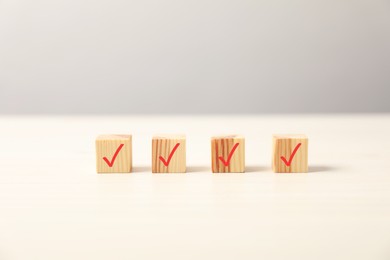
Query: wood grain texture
<point x="283" y="146"/>
<point x="106" y="146"/>
<point x="222" y="146"/>
<point x="162" y="145"/>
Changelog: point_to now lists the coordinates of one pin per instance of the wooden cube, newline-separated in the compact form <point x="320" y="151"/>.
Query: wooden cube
<point x="228" y="153"/>
<point x="113" y="153"/>
<point x="290" y="153"/>
<point x="169" y="154"/>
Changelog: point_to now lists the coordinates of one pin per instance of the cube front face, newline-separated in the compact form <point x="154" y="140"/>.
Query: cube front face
<point x="228" y="154"/>
<point x="290" y="153"/>
<point x="114" y="153"/>
<point x="169" y="154"/>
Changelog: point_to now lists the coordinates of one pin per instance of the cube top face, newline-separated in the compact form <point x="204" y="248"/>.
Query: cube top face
<point x="114" y="153"/>
<point x="113" y="137"/>
<point x="169" y="136"/>
<point x="290" y="153"/>
<point x="223" y="137"/>
<point x="169" y="154"/>
<point x="290" y="136"/>
<point x="227" y="153"/>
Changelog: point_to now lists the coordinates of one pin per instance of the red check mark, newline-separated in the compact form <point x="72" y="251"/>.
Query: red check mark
<point x="288" y="163"/>
<point x="166" y="163"/>
<point x="110" y="164"/>
<point x="226" y="163"/>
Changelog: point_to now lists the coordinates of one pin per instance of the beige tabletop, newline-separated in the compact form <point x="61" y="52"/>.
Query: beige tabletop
<point x="53" y="205"/>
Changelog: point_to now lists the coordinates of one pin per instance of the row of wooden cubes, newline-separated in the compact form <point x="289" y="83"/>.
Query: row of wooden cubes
<point x="114" y="153"/>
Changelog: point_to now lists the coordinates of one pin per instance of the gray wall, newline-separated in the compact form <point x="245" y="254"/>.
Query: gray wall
<point x="201" y="56"/>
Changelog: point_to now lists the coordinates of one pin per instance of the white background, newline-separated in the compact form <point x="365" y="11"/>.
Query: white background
<point x="196" y="56"/>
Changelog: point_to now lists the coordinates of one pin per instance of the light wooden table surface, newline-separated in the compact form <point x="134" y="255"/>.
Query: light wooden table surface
<point x="53" y="205"/>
